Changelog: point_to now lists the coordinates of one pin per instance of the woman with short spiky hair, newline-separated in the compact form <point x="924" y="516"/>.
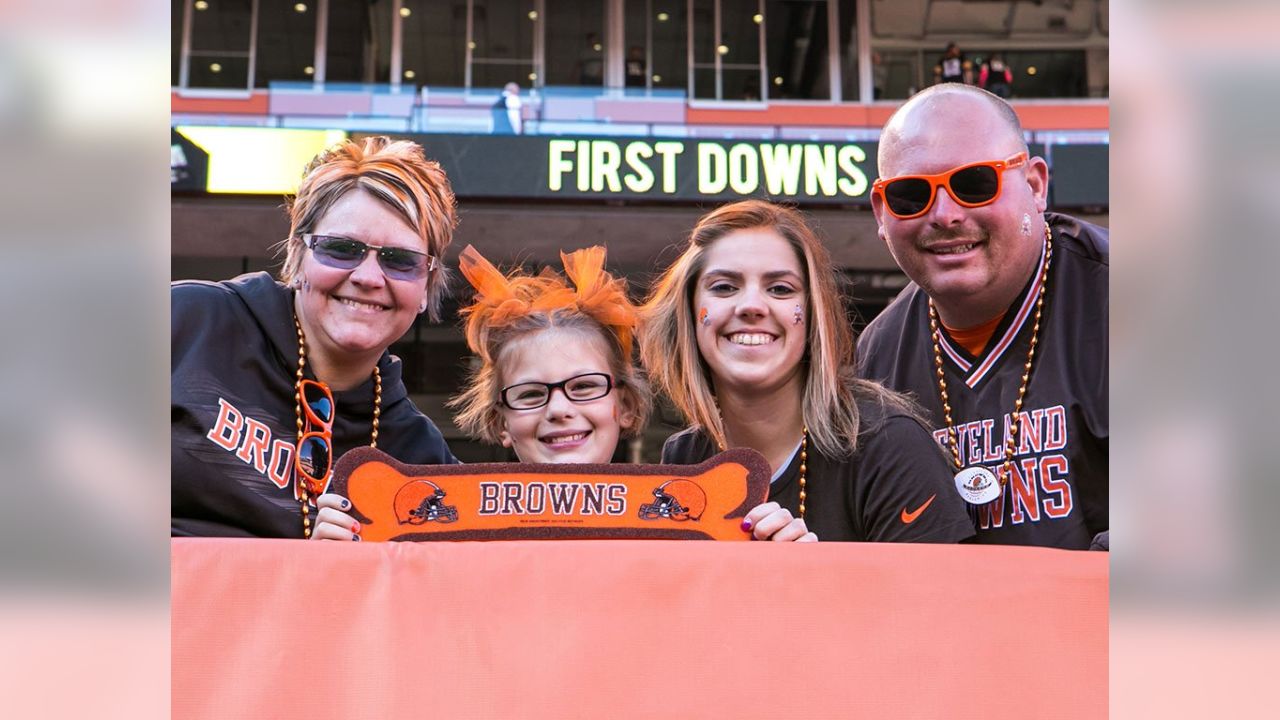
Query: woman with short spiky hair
<point x="272" y="380"/>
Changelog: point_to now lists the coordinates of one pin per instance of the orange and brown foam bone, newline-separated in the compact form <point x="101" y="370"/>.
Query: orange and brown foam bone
<point x="524" y="501"/>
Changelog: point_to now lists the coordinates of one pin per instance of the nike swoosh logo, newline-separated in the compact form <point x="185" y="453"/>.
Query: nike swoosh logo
<point x="910" y="517"/>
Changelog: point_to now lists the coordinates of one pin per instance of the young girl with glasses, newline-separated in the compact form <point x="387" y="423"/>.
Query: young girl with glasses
<point x="747" y="334"/>
<point x="555" y="380"/>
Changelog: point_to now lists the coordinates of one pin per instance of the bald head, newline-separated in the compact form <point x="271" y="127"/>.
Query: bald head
<point x="954" y="104"/>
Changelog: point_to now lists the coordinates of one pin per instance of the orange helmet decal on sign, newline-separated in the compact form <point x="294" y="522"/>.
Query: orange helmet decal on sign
<point x="422" y="501"/>
<point x="677" y="500"/>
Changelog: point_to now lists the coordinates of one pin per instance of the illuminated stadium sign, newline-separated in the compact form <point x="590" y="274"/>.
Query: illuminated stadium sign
<point x="270" y="161"/>
<point x="248" y="160"/>
<point x="664" y="169"/>
<point x="645" y="168"/>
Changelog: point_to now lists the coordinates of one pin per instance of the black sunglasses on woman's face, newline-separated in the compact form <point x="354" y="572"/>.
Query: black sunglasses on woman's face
<point x="347" y="254"/>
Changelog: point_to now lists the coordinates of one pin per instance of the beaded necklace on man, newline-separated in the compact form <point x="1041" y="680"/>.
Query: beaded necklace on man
<point x="976" y="484"/>
<point x="304" y="496"/>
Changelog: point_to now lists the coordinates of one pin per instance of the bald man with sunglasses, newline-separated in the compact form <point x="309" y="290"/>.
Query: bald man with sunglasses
<point x="1006" y="317"/>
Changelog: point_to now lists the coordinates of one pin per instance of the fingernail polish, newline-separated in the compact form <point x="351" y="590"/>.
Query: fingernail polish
<point x="746" y="524"/>
<point x="346" y="504"/>
<point x="356" y="538"/>
<point x="355" y="527"/>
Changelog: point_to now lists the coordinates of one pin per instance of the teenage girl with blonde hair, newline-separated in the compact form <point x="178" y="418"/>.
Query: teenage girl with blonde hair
<point x="747" y="335"/>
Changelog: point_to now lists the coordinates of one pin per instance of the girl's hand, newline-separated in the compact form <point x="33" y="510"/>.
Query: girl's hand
<point x="771" y="521"/>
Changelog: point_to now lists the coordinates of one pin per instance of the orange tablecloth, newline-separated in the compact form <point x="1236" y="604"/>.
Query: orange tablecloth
<point x="618" y="629"/>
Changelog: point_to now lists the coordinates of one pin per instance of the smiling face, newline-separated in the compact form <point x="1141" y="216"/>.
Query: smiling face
<point x="561" y="431"/>
<point x="751" y="283"/>
<point x="971" y="261"/>
<point x="352" y="316"/>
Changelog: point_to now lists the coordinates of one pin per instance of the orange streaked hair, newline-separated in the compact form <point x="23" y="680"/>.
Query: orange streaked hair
<point x="511" y="306"/>
<point x="397" y="174"/>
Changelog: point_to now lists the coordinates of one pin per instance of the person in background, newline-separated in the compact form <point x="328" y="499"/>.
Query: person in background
<point x="272" y="380"/>
<point x="953" y="67"/>
<point x="995" y="77"/>
<point x="635" y="67"/>
<point x="507" y="118"/>
<point x="591" y="62"/>
<point x="879" y="75"/>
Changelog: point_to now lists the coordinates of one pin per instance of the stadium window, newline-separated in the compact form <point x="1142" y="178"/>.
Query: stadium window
<point x="506" y="42"/>
<point x="434" y="41"/>
<point x="221" y="37"/>
<point x="286" y="43"/>
<point x="797" y="45"/>
<point x="577" y="45"/>
<point x="656" y="37"/>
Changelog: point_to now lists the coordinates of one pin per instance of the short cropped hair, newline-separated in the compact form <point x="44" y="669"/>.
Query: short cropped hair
<point x="1006" y="112"/>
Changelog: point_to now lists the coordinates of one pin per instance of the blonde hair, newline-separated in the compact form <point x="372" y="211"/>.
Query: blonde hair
<point x="510" y="307"/>
<point x="400" y="176"/>
<point x="669" y="347"/>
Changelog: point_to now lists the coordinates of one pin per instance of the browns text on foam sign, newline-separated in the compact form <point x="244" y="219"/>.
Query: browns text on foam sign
<point x="826" y="170"/>
<point x="495" y="501"/>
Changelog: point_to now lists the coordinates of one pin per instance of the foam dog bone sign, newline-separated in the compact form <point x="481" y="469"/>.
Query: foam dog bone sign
<point x="523" y="501"/>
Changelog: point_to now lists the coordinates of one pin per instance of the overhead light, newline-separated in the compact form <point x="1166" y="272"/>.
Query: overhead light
<point x="471" y="45"/>
<point x="300" y="7"/>
<point x="405" y="12"/>
<point x="723" y="49"/>
<point x="757" y="18"/>
<point x="1031" y="70"/>
<point x="777" y="80"/>
<point x="533" y="14"/>
<point x="308" y="70"/>
<point x="533" y="77"/>
<point x="657" y="78"/>
<point x="409" y="74"/>
<point x="202" y="5"/>
<point x="662" y="17"/>
<point x="215" y="67"/>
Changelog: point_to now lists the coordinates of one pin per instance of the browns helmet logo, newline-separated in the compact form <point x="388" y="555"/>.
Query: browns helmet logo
<point x="978" y="482"/>
<point x="422" y="501"/>
<point x="676" y="500"/>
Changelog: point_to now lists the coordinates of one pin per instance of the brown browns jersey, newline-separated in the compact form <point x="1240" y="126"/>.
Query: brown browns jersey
<point x="1057" y="496"/>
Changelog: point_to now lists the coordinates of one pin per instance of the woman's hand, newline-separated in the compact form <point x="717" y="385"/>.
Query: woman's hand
<point x="771" y="521"/>
<point x="332" y="521"/>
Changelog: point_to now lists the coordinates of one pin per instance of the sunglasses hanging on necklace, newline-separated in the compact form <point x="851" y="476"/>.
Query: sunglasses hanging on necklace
<point x="313" y="456"/>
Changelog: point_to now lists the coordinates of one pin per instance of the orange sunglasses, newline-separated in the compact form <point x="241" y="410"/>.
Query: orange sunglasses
<point x="312" y="460"/>
<point x="971" y="186"/>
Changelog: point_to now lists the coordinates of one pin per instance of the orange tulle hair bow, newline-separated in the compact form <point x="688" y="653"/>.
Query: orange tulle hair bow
<point x="502" y="300"/>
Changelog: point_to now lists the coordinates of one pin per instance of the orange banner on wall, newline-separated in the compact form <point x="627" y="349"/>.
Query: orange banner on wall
<point x="647" y="628"/>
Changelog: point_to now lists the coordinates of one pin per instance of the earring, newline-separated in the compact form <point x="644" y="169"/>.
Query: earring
<point x="798" y="317"/>
<point x="1026" y="224"/>
<point x="422" y="307"/>
<point x="703" y="317"/>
